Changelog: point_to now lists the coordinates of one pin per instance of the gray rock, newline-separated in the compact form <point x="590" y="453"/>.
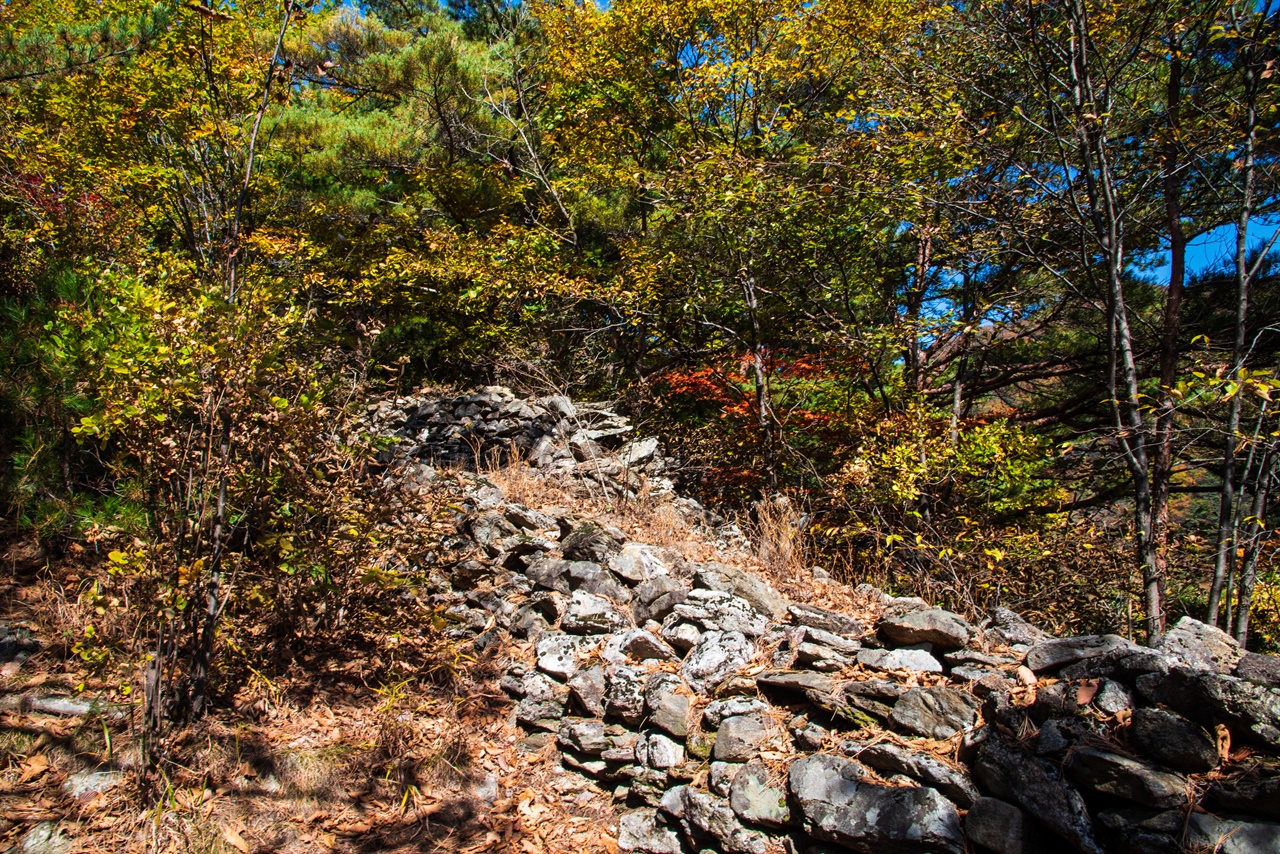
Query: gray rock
<point x="935" y="712"/>
<point x="890" y="759"/>
<point x="705" y="819"/>
<point x="716" y="657"/>
<point x="637" y="645"/>
<point x="624" y="697"/>
<point x="1113" y="697"/>
<point x="1006" y="769"/>
<point x="1230" y="835"/>
<point x="1196" y="644"/>
<point x="1254" y="796"/>
<point x="1259" y="669"/>
<point x="584" y="736"/>
<point x="741" y="738"/>
<point x="714" y="610"/>
<point x="589" y="614"/>
<point x="821" y="658"/>
<point x="681" y="635"/>
<point x="717" y="711"/>
<point x="1123" y="663"/>
<point x="543" y="703"/>
<point x="997" y="826"/>
<point x="529" y="520"/>
<point x="638" y="562"/>
<point x="758" y="799"/>
<point x="86" y="783"/>
<point x="638" y="452"/>
<point x="795" y="681"/>
<point x="656" y="598"/>
<point x="835" y="807"/>
<point x="663" y="753"/>
<point x="1059" y="652"/>
<point x="1122" y="777"/>
<point x="913" y="660"/>
<point x="668" y="710"/>
<point x="557" y="655"/>
<point x="591" y="541"/>
<point x="45" y="838"/>
<point x="1252" y="711"/>
<point x="647" y="785"/>
<point x="831" y="640"/>
<point x="595" y="579"/>
<point x="751" y="588"/>
<point x="943" y="629"/>
<point x="549" y="573"/>
<point x="720" y="778"/>
<point x="1172" y="740"/>
<point x="825" y="620"/>
<point x="646" y="832"/>
<point x="586" y="690"/>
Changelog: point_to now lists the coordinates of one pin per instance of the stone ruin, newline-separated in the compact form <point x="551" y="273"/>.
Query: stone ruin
<point x="724" y="717"/>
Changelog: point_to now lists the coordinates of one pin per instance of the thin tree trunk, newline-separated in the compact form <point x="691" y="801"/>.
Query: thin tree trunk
<point x="1257" y="532"/>
<point x="213" y="595"/>
<point x="764" y="401"/>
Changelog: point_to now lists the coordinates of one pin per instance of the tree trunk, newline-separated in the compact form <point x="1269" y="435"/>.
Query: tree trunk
<point x="1257" y="533"/>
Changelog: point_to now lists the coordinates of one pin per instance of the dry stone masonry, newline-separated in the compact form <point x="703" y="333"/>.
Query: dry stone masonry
<point x="724" y="717"/>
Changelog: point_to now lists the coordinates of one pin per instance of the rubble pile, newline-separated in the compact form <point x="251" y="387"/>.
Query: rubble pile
<point x="726" y="717"/>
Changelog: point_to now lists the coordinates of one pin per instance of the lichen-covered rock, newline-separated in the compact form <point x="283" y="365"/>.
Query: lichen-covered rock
<point x="586" y="691"/>
<point x="825" y="620"/>
<point x="668" y="709"/>
<point x="1196" y="644"/>
<point x="758" y="797"/>
<point x="584" y="736"/>
<point x="647" y="832"/>
<point x="705" y="818"/>
<point x="591" y="541"/>
<point x="751" y="588"/>
<point x="943" y="629"/>
<point x="717" y="656"/>
<point x="1252" y="711"/>
<point x="637" y="645"/>
<point x="741" y="738"/>
<point x="870" y="819"/>
<point x="624" y="696"/>
<point x="589" y="614"/>
<point x="890" y="759"/>
<point x="717" y="711"/>
<point x="935" y="712"/>
<point x="1059" y="652"/>
<point x="713" y="610"/>
<point x="557" y="655"/>
<point x="912" y="660"/>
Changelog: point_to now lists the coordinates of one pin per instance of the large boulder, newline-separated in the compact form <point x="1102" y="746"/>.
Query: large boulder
<point x="705" y="818"/>
<point x="943" y="629"/>
<point x="870" y="819"/>
<point x="715" y="610"/>
<point x="1252" y="711"/>
<point x="1121" y="777"/>
<point x="1197" y="644"/>
<point x="935" y="712"/>
<point x="744" y="585"/>
<point x="1172" y="740"/>
<point x="1059" y="652"/>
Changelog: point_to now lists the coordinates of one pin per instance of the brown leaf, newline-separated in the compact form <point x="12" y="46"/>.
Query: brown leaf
<point x="33" y="767"/>
<point x="1086" y="691"/>
<point x="235" y="840"/>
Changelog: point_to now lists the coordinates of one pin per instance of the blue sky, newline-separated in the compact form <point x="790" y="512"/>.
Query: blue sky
<point x="1212" y="249"/>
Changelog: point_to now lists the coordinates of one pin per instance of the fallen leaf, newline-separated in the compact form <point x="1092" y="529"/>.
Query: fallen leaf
<point x="235" y="840"/>
<point x="33" y="767"/>
<point x="1086" y="691"/>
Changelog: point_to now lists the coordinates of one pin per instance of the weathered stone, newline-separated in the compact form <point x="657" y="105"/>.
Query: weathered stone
<point x="1252" y="711"/>
<point x="557" y="655"/>
<point x="1009" y="628"/>
<point x="624" y="697"/>
<point x="716" y="657"/>
<point x="1197" y="644"/>
<point x="943" y="629"/>
<point x="758" y="799"/>
<point x="1006" y="769"/>
<point x="718" y="710"/>
<point x="741" y="737"/>
<point x="637" y="645"/>
<point x="890" y="759"/>
<point x="831" y="640"/>
<point x="935" y="712"/>
<point x="638" y="562"/>
<point x="795" y="681"/>
<point x="867" y="818"/>
<point x="1123" y="663"/>
<point x="705" y="818"/>
<point x="720" y="777"/>
<point x="1259" y="669"/>
<point x="663" y="753"/>
<point x="584" y="736"/>
<point x="656" y="598"/>
<point x="713" y="610"/>
<point x="589" y="614"/>
<point x="549" y="573"/>
<point x="821" y="658"/>
<point x="668" y="709"/>
<point x="1113" y="697"/>
<point x="595" y="579"/>
<point x="648" y="785"/>
<point x="1254" y="796"/>
<point x="745" y="585"/>
<point x="997" y="826"/>
<point x="45" y="838"/>
<point x="825" y="620"/>
<point x="591" y="541"/>
<point x="529" y="520"/>
<point x="913" y="660"/>
<point x="1140" y="830"/>
<point x="646" y="832"/>
<point x="638" y="452"/>
<point x="1059" y="652"/>
<point x="543" y="703"/>
<point x="586" y="690"/>
<point x="1122" y="777"/>
<point x="1230" y="835"/>
<point x="1172" y="740"/>
<point x="83" y="784"/>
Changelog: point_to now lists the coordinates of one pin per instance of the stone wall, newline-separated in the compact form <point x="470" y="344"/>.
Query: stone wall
<point x="724" y="717"/>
